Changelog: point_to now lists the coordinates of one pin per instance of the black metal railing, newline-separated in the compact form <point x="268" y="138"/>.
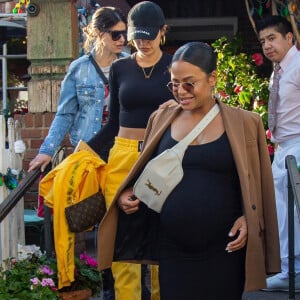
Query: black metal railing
<point x="15" y="196"/>
<point x="293" y="200"/>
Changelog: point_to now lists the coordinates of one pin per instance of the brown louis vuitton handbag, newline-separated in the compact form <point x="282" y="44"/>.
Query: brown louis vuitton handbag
<point x="86" y="213"/>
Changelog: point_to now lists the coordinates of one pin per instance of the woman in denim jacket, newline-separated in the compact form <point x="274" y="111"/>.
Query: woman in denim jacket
<point x="84" y="96"/>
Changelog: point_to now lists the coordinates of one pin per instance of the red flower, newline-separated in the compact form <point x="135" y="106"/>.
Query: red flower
<point x="268" y="134"/>
<point x="223" y="94"/>
<point x="258" y="59"/>
<point x="238" y="89"/>
<point x="271" y="149"/>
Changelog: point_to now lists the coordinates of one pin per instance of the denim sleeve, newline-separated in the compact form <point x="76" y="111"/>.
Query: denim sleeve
<point x="65" y="115"/>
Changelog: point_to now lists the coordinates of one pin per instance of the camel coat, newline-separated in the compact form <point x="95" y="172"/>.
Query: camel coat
<point x="133" y="237"/>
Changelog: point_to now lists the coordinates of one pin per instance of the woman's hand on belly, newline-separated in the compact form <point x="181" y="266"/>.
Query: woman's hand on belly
<point x="128" y="202"/>
<point x="240" y="230"/>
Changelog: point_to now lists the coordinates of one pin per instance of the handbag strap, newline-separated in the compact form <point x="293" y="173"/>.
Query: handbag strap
<point x="98" y="69"/>
<point x="182" y="145"/>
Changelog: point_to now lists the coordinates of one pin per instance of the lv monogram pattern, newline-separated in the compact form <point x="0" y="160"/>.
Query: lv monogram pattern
<point x="273" y="99"/>
<point x="86" y="213"/>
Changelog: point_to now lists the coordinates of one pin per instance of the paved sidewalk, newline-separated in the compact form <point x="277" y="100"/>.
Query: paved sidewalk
<point x="252" y="296"/>
<point x="269" y="296"/>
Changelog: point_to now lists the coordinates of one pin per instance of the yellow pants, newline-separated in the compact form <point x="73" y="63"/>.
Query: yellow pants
<point x="127" y="276"/>
<point x="155" y="293"/>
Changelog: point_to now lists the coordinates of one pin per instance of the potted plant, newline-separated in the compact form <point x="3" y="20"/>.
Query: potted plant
<point x="35" y="277"/>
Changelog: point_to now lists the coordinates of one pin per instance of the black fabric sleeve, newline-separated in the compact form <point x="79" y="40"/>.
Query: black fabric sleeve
<point x="105" y="137"/>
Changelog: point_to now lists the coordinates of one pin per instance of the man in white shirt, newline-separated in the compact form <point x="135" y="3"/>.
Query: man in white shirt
<point x="276" y="37"/>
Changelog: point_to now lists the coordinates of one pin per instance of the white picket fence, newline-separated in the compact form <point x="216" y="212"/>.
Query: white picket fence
<point x="12" y="227"/>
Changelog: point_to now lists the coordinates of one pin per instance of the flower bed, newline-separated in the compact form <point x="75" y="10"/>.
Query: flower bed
<point x="34" y="276"/>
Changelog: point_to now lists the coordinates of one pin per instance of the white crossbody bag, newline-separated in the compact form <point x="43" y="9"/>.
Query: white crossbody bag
<point x="161" y="174"/>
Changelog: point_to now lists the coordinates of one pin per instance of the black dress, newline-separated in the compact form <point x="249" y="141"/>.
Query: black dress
<point x="194" y="225"/>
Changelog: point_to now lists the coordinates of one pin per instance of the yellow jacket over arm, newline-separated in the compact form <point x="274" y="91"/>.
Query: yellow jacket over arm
<point x="79" y="176"/>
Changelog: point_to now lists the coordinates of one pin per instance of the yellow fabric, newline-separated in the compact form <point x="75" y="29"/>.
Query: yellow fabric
<point x="127" y="281"/>
<point x="78" y="176"/>
<point x="155" y="290"/>
<point x="122" y="156"/>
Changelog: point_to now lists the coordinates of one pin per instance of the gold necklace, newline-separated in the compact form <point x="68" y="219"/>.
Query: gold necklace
<point x="147" y="76"/>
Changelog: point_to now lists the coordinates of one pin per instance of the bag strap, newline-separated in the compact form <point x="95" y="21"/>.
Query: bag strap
<point x="182" y="145"/>
<point x="98" y="69"/>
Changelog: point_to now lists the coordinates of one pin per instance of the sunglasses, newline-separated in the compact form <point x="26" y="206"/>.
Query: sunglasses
<point x="116" y="34"/>
<point x="187" y="86"/>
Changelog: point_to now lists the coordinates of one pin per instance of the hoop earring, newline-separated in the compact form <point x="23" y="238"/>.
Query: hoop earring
<point x="163" y="40"/>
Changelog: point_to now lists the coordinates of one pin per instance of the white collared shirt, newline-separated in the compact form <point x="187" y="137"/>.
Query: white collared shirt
<point x="288" y="107"/>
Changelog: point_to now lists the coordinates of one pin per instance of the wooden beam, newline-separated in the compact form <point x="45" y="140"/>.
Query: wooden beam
<point x="52" y="38"/>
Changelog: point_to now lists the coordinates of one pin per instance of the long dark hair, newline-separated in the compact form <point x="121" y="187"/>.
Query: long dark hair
<point x="103" y="19"/>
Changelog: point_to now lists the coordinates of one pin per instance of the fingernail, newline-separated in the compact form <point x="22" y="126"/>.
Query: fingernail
<point x="230" y="234"/>
<point x="227" y="249"/>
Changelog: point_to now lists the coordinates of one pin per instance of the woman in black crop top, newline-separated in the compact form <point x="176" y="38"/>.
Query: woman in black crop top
<point x="138" y="85"/>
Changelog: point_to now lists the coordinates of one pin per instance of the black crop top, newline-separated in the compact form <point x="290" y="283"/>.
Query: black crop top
<point x="133" y="97"/>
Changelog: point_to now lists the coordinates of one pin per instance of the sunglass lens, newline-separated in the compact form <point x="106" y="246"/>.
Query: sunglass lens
<point x="188" y="86"/>
<point x="116" y="35"/>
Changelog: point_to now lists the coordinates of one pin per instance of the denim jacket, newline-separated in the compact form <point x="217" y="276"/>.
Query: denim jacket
<point x="80" y="106"/>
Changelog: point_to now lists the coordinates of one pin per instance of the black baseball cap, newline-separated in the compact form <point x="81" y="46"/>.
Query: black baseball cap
<point x="144" y="21"/>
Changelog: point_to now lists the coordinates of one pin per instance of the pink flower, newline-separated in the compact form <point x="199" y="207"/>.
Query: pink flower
<point x="47" y="282"/>
<point x="83" y="256"/>
<point x="35" y="281"/>
<point x="90" y="261"/>
<point x="46" y="270"/>
<point x="258" y="59"/>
